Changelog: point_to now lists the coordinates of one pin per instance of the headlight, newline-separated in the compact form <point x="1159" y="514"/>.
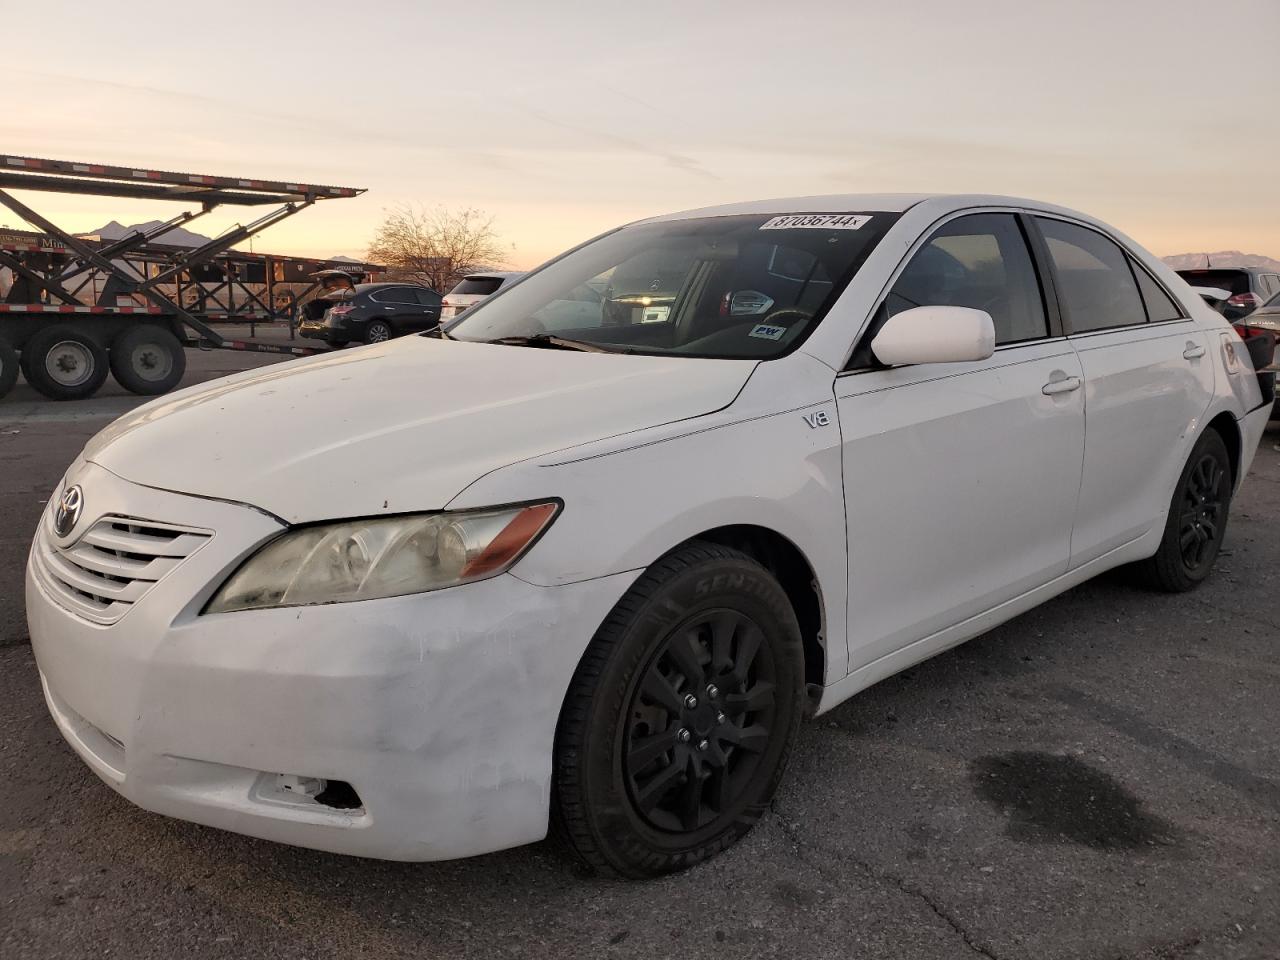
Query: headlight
<point x="386" y="557"/>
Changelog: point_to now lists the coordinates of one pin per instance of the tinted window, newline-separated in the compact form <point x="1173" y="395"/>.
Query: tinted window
<point x="478" y="286"/>
<point x="978" y="261"/>
<point x="1095" y="286"/>
<point x="395" y="295"/>
<point x="428" y="298"/>
<point x="1160" y="305"/>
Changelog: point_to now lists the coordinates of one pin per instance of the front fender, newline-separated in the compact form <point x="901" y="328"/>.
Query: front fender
<point x="623" y="509"/>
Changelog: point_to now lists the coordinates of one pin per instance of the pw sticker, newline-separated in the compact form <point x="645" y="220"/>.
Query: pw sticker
<point x="766" y="332"/>
<point x="816" y="221"/>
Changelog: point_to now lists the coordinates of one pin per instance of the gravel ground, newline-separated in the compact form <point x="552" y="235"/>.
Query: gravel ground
<point x="1098" y="778"/>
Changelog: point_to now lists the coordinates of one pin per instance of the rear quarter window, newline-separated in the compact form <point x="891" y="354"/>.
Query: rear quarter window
<point x="477" y="286"/>
<point x="1160" y="306"/>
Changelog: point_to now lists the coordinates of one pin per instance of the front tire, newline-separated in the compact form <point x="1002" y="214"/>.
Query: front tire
<point x="680" y="717"/>
<point x="1197" y="520"/>
<point x="8" y="367"/>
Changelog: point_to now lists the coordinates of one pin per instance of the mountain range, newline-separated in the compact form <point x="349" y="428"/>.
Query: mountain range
<point x="177" y="236"/>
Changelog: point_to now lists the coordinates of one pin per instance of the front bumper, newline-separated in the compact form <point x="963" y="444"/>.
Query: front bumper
<point x="439" y="709"/>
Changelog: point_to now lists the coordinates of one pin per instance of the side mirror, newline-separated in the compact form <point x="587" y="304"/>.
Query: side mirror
<point x="935" y="335"/>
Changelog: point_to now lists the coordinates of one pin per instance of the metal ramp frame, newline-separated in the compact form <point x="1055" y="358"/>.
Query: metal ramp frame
<point x="209" y="192"/>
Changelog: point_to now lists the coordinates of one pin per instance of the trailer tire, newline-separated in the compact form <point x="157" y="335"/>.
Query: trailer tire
<point x="8" y="367"/>
<point x="64" y="364"/>
<point x="148" y="360"/>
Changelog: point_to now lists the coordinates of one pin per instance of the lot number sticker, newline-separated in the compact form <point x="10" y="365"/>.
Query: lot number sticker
<point x="816" y="221"/>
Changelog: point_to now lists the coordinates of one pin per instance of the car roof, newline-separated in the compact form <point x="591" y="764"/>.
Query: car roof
<point x="383" y="284"/>
<point x="494" y="275"/>
<point x="868" y="202"/>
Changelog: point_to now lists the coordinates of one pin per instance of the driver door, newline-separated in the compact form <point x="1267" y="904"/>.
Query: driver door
<point x="960" y="479"/>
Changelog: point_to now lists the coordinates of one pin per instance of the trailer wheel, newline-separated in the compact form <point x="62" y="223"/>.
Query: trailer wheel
<point x="148" y="360"/>
<point x="64" y="364"/>
<point x="8" y="367"/>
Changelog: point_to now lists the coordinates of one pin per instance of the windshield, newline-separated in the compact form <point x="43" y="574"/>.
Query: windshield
<point x="748" y="286"/>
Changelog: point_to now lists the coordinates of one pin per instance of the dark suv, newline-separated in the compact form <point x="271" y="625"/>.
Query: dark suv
<point x="370" y="313"/>
<point x="1249" y="287"/>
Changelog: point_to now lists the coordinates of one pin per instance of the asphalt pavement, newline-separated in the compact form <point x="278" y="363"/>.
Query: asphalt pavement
<point x="1099" y="778"/>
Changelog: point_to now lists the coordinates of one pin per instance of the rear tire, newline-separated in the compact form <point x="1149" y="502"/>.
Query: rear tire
<point x="148" y="360"/>
<point x="64" y="364"/>
<point x="377" y="331"/>
<point x="8" y="367"/>
<point x="680" y="717"/>
<point x="1197" y="520"/>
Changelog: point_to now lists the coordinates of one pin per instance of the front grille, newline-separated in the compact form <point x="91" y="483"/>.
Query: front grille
<point x="112" y="565"/>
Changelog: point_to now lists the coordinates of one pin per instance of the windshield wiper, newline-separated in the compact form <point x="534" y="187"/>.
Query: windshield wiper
<point x="547" y="341"/>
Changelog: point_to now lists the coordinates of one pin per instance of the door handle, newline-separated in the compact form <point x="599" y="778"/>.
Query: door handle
<point x="1193" y="352"/>
<point x="1065" y="385"/>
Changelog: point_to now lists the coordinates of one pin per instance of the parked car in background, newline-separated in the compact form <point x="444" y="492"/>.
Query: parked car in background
<point x="444" y="593"/>
<point x="473" y="288"/>
<point x="371" y="313"/>
<point x="1264" y="322"/>
<point x="1215" y="297"/>
<point x="1249" y="286"/>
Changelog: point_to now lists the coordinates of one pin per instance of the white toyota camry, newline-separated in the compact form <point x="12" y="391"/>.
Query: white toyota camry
<point x="585" y="561"/>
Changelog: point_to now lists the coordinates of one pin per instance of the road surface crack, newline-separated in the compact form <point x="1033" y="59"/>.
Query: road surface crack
<point x="806" y="849"/>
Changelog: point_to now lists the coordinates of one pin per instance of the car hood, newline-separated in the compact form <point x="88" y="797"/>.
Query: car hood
<point x="400" y="426"/>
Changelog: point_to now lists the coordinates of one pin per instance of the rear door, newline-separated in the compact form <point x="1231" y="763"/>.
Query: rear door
<point x="1148" y="381"/>
<point x="429" y="314"/>
<point x="398" y="306"/>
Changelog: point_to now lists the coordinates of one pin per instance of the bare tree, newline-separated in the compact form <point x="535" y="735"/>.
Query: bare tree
<point x="436" y="247"/>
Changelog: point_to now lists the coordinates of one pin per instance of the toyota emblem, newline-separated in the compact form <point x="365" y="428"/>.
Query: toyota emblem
<point x="67" y="515"/>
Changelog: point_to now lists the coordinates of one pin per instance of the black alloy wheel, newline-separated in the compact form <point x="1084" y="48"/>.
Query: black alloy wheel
<point x="1203" y="510"/>
<point x="1197" y="519"/>
<point x="701" y="716"/>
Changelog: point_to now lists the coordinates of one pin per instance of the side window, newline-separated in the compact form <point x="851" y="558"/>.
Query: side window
<point x="1160" y="305"/>
<point x="978" y="261"/>
<point x="428" y="298"/>
<point x="1095" y="285"/>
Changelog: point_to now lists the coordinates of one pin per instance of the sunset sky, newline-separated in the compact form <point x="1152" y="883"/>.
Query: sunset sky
<point x="564" y="118"/>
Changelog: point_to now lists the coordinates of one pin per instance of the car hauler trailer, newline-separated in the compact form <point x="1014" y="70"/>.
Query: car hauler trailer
<point x="66" y="332"/>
